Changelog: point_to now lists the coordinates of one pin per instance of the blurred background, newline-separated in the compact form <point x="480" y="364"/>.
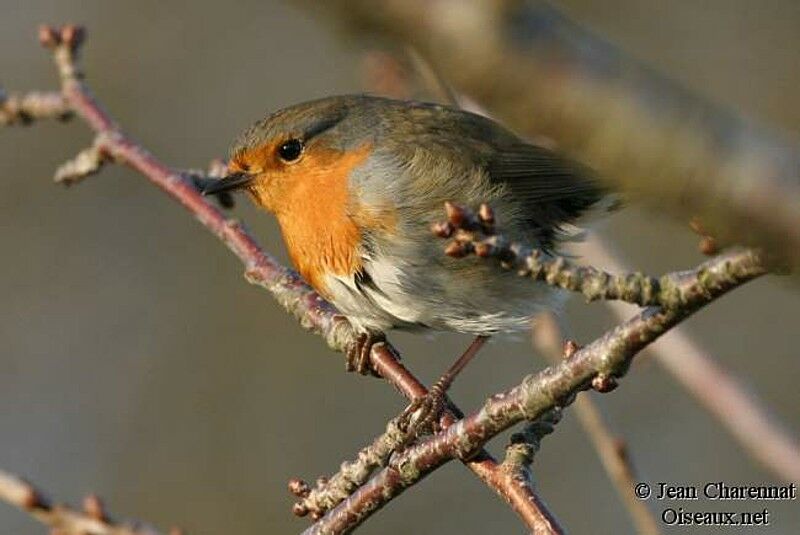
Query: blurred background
<point x="137" y="363"/>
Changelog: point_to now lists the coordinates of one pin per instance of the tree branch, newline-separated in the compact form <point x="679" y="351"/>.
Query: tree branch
<point x="64" y="520"/>
<point x="329" y="492"/>
<point x="473" y="233"/>
<point x="24" y="108"/>
<point x="754" y="426"/>
<point x="598" y="365"/>
<point x="545" y="76"/>
<point x="612" y="451"/>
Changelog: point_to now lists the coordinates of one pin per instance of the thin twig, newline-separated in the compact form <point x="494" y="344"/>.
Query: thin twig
<point x="523" y="446"/>
<point x="64" y="520"/>
<point x="217" y="169"/>
<point x="614" y="456"/>
<point x="473" y="233"/>
<point x="24" y="108"/>
<point x="329" y="492"/>
<point x="86" y="163"/>
<point x="432" y="79"/>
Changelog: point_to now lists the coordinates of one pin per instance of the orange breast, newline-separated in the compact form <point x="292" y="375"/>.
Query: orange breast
<point x="319" y="217"/>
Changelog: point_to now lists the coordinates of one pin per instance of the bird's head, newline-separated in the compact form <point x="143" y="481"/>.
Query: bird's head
<point x="298" y="149"/>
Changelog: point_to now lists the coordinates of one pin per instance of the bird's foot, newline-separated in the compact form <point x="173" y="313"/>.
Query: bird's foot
<point x="358" y="355"/>
<point x="422" y="414"/>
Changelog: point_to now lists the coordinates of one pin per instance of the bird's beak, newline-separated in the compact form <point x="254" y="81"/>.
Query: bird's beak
<point x="231" y="182"/>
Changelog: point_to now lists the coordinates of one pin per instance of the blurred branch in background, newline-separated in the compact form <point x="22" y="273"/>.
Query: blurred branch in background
<point x="62" y="519"/>
<point x="24" y="108"/>
<point x="544" y="76"/>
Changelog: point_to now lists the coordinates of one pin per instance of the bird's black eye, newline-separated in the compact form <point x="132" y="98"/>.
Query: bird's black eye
<point x="290" y="150"/>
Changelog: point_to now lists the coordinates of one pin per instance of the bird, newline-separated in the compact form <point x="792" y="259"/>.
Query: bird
<point x="356" y="183"/>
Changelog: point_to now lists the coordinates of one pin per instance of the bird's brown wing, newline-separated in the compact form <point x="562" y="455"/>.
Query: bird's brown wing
<point x="552" y="190"/>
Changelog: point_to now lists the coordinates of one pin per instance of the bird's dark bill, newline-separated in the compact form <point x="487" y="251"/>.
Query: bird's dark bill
<point x="231" y="182"/>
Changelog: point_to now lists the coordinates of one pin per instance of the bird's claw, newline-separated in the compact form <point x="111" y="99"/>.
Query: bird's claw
<point x="422" y="414"/>
<point x="358" y="356"/>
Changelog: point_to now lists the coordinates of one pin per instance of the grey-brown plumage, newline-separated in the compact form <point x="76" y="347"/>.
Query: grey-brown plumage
<point x="421" y="156"/>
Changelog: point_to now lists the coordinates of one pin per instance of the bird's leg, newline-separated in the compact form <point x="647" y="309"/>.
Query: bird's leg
<point x="430" y="406"/>
<point x="358" y="355"/>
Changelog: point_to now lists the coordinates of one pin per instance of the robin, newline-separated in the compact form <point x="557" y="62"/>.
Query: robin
<point x="356" y="182"/>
